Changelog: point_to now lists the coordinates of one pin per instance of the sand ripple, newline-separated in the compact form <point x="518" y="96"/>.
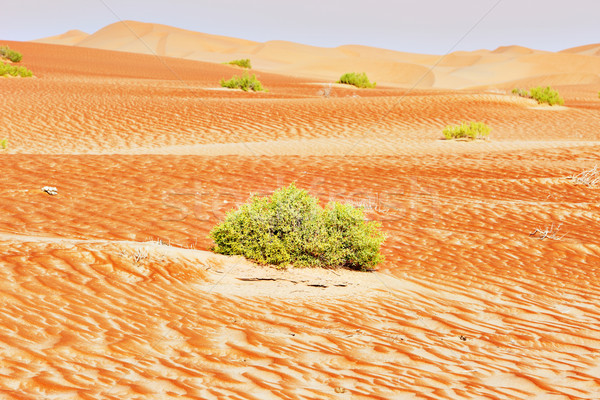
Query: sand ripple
<point x="108" y="292"/>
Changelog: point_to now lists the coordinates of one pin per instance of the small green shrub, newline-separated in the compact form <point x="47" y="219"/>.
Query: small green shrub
<point x="546" y="95"/>
<point x="541" y="95"/>
<point x="468" y="130"/>
<point x="244" y="82"/>
<point x="3" y="144"/>
<point x="521" y="92"/>
<point x="357" y="79"/>
<point x="244" y="63"/>
<point x="14" y="70"/>
<point x="10" y="54"/>
<point x="290" y="228"/>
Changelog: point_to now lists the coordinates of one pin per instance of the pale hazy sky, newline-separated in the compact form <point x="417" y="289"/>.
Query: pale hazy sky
<point x="422" y="26"/>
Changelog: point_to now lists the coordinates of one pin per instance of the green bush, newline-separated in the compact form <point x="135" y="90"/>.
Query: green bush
<point x="357" y="79"/>
<point x="541" y="95"/>
<point x="468" y="130"/>
<point x="244" y="82"/>
<point x="12" y="55"/>
<point x="546" y="95"/>
<point x="3" y="144"/>
<point x="521" y="92"/>
<point x="290" y="228"/>
<point x="244" y="63"/>
<point x="14" y="70"/>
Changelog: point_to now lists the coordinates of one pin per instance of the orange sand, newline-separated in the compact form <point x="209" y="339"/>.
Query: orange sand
<point x="145" y="149"/>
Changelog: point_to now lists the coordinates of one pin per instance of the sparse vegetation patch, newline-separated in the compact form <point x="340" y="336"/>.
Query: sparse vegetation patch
<point x="244" y="63"/>
<point x="357" y="79"/>
<point x="541" y="95"/>
<point x="245" y="82"/>
<point x="14" y="70"/>
<point x="12" y="55"/>
<point x="521" y="92"/>
<point x="290" y="228"/>
<point x="546" y="95"/>
<point x="467" y="130"/>
<point x="3" y="144"/>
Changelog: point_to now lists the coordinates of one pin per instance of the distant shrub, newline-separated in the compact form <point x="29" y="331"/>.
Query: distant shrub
<point x="541" y="95"/>
<point x="546" y="95"/>
<point x="14" y="70"/>
<point x="3" y="144"/>
<point x="357" y="79"/>
<point x="10" y="54"/>
<point x="521" y="92"/>
<point x="244" y="82"/>
<point x="468" y="130"/>
<point x="290" y="228"/>
<point x="244" y="63"/>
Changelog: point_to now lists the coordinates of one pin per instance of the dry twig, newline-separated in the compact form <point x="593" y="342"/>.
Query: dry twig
<point x="548" y="232"/>
<point x="588" y="177"/>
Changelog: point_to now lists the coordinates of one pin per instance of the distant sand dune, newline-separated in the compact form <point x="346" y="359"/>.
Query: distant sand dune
<point x="70" y="38"/>
<point x="393" y="68"/>
<point x="591" y="50"/>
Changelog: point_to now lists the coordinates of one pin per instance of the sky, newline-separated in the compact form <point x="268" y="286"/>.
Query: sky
<point x="417" y="26"/>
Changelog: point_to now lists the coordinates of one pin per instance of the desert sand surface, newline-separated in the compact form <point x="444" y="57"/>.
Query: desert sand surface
<point x="109" y="290"/>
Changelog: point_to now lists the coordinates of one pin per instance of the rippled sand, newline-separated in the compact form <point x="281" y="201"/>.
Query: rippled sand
<point x="108" y="291"/>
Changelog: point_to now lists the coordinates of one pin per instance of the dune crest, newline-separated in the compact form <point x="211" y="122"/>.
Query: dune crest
<point x="591" y="50"/>
<point x="69" y="38"/>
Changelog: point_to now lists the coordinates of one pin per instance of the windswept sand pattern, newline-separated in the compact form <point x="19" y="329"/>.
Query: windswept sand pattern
<point x="100" y="338"/>
<point x="97" y="118"/>
<point x="77" y="114"/>
<point x="108" y="290"/>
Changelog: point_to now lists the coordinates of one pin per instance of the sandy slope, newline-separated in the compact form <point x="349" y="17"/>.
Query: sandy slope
<point x="503" y="68"/>
<point x="142" y="150"/>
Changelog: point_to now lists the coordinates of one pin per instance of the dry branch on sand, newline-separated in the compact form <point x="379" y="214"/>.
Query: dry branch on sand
<point x="550" y="232"/>
<point x="588" y="177"/>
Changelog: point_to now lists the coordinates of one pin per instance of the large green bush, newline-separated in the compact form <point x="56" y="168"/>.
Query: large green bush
<point x="541" y="95"/>
<point x="14" y="70"/>
<point x="357" y="79"/>
<point x="244" y="63"/>
<point x="467" y="130"/>
<point x="290" y="228"/>
<point x="244" y="82"/>
<point x="12" y="55"/>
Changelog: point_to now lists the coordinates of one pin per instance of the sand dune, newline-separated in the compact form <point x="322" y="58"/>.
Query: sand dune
<point x="70" y="38"/>
<point x="109" y="291"/>
<point x="591" y="49"/>
<point x="158" y="39"/>
<point x="391" y="68"/>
